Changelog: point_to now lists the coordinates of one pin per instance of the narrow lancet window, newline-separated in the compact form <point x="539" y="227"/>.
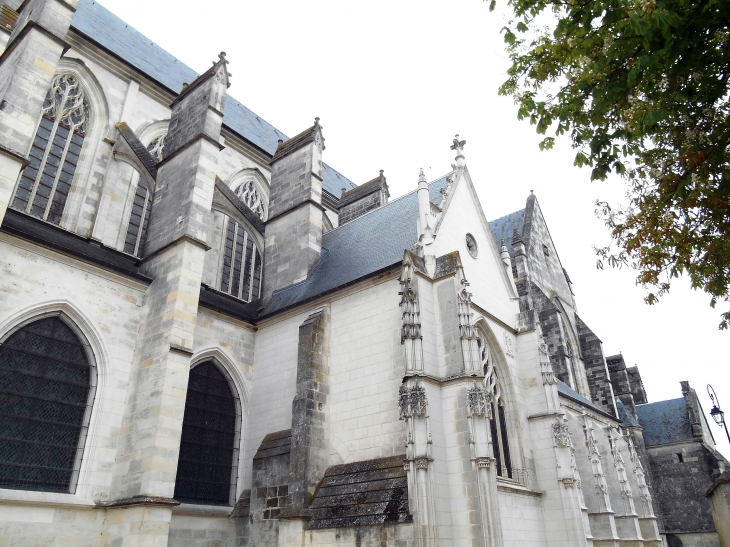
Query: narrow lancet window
<point x="47" y="386"/>
<point x="498" y="420"/>
<point x="241" y="264"/>
<point x="206" y="470"/>
<point x="140" y="215"/>
<point x="45" y="183"/>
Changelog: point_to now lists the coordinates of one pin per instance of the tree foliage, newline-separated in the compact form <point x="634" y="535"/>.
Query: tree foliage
<point x="641" y="88"/>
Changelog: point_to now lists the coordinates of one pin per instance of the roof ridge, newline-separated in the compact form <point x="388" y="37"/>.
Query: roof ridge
<point x="434" y="181"/>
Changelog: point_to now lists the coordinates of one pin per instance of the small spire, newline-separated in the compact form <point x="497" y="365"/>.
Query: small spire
<point x="516" y="237"/>
<point x="458" y="147"/>
<point x="421" y="176"/>
<point x="504" y="254"/>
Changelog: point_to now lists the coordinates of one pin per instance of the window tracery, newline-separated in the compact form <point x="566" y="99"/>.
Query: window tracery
<point x="241" y="263"/>
<point x="45" y="183"/>
<point x="251" y="196"/>
<point x="497" y="414"/>
<point x="47" y="386"/>
<point x="206" y="469"/>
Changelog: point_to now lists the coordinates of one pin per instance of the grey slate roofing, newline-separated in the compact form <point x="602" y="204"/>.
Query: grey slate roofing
<point x="566" y="391"/>
<point x="372" y="242"/>
<point x="665" y="422"/>
<point x="627" y="419"/>
<point x="101" y="26"/>
<point x="502" y="228"/>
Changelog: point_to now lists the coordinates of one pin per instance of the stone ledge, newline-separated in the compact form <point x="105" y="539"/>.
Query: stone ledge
<point x="158" y="501"/>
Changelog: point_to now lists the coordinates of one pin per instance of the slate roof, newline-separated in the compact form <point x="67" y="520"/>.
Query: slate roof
<point x="362" y="493"/>
<point x="502" y="228"/>
<point x="370" y="243"/>
<point x="665" y="422"/>
<point x="99" y="25"/>
<point x="566" y="391"/>
<point x="627" y="419"/>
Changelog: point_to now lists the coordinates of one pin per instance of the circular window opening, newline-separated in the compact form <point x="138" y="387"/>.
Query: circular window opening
<point x="471" y="245"/>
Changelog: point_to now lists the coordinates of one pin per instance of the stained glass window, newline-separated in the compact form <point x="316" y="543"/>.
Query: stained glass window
<point x="45" y="183"/>
<point x="46" y="389"/>
<point x="241" y="263"/>
<point x="206" y="469"/>
<point x="140" y="215"/>
<point x="498" y="421"/>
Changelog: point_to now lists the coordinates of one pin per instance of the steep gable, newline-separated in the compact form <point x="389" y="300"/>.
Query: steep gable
<point x="462" y="214"/>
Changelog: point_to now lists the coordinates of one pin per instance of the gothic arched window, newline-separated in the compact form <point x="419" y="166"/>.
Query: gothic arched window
<point x="498" y="419"/>
<point x="140" y="215"/>
<point x="241" y="264"/>
<point x="45" y="183"/>
<point x="47" y="385"/>
<point x="206" y="470"/>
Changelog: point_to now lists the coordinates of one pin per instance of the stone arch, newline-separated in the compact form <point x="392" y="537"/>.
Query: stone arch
<point x="242" y="393"/>
<point x="100" y="127"/>
<point x="98" y="355"/>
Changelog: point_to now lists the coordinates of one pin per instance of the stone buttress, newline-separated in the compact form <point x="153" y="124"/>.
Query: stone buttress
<point x="146" y="465"/>
<point x="294" y="227"/>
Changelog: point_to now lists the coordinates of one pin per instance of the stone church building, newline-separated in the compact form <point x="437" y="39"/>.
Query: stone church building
<point x="210" y="337"/>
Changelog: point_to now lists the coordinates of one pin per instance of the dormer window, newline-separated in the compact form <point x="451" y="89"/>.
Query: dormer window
<point x="45" y="183"/>
<point x="241" y="264"/>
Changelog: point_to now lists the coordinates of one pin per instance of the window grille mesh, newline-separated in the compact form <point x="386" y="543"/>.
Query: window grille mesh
<point x="45" y="386"/>
<point x="241" y="264"/>
<point x="206" y="469"/>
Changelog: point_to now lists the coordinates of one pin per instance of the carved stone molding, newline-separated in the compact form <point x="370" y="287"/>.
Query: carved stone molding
<point x="412" y="401"/>
<point x="477" y="402"/>
<point x="421" y="463"/>
<point x="483" y="463"/>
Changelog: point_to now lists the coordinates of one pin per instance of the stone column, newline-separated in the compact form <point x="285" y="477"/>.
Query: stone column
<point x="144" y="474"/>
<point x="479" y="411"/>
<point x="27" y="67"/>
<point x="413" y="405"/>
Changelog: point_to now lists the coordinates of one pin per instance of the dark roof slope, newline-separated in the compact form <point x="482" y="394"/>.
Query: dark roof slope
<point x="627" y="419"/>
<point x="503" y="228"/>
<point x="665" y="422"/>
<point x="362" y="493"/>
<point x="102" y="27"/>
<point x="566" y="391"/>
<point x="370" y="243"/>
<point x="334" y="182"/>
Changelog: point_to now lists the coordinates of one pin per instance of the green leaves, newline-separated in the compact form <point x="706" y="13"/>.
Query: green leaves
<point x="641" y="87"/>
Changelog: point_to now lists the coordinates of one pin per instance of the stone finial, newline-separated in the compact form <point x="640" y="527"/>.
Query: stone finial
<point x="516" y="237"/>
<point x="504" y="254"/>
<point x="381" y="173"/>
<point x="421" y="177"/>
<point x="316" y="121"/>
<point x="343" y="191"/>
<point x="222" y="56"/>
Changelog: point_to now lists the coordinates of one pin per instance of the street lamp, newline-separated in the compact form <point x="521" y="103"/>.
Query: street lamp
<point x="717" y="414"/>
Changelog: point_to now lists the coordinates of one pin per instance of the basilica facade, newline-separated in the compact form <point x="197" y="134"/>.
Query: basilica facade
<point x="210" y="337"/>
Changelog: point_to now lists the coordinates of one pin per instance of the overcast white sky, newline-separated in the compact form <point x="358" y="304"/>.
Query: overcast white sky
<point x="392" y="82"/>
